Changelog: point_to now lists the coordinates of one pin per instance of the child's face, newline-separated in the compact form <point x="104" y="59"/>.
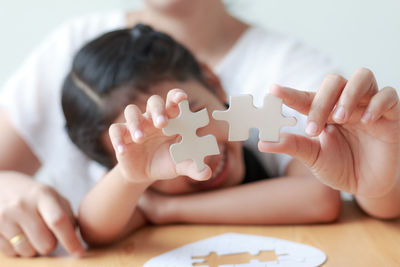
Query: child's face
<point x="227" y="167"/>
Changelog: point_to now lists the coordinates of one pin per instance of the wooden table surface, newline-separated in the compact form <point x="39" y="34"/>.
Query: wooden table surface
<point x="354" y="240"/>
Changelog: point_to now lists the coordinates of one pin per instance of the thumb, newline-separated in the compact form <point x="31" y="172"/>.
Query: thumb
<point x="303" y="148"/>
<point x="189" y="168"/>
<point x="298" y="100"/>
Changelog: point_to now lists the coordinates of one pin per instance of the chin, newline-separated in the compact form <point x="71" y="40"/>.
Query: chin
<point x="169" y="5"/>
<point x="227" y="172"/>
<point x="172" y="6"/>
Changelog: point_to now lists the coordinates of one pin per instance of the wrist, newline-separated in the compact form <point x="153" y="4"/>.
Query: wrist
<point x="160" y="209"/>
<point x="384" y="207"/>
<point x="130" y="181"/>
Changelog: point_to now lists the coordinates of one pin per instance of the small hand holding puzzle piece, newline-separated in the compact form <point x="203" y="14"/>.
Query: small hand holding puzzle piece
<point x="242" y="115"/>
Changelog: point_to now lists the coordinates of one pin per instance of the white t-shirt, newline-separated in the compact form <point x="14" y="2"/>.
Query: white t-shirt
<point x="32" y="96"/>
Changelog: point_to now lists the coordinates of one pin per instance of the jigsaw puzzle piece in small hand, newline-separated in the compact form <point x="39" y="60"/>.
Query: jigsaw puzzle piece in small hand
<point x="191" y="146"/>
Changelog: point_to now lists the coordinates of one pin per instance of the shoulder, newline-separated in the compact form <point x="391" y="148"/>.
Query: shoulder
<point x="292" y="62"/>
<point x="283" y="51"/>
<point x="55" y="53"/>
<point x="261" y="57"/>
<point x="96" y="22"/>
<point x="31" y="95"/>
<point x="79" y="30"/>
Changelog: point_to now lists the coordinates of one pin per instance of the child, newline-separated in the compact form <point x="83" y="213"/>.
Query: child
<point x="244" y="57"/>
<point x="128" y="79"/>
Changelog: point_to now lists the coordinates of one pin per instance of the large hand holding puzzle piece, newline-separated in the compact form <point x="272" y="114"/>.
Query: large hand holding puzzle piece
<point x="192" y="146"/>
<point x="242" y="115"/>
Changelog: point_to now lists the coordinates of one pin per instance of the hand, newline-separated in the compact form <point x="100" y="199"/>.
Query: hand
<point x="142" y="150"/>
<point x="355" y="130"/>
<point x="157" y="208"/>
<point x="36" y="216"/>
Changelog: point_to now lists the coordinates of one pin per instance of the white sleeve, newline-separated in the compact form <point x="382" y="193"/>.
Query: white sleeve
<point x="31" y="97"/>
<point x="303" y="67"/>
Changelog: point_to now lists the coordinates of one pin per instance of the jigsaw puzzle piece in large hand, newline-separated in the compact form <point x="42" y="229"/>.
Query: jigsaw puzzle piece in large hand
<point x="242" y="115"/>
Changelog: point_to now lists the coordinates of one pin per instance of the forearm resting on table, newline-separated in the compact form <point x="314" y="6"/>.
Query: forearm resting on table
<point x="109" y="209"/>
<point x="386" y="207"/>
<point x="285" y="200"/>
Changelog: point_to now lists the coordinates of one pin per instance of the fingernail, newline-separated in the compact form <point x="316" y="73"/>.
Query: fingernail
<point x="339" y="114"/>
<point x="78" y="254"/>
<point x="366" y="117"/>
<point x="276" y="86"/>
<point x="312" y="128"/>
<point x="161" y="120"/>
<point x="120" y="149"/>
<point x="180" y="95"/>
<point x="138" y="134"/>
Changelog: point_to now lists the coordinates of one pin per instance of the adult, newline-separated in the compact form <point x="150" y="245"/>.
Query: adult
<point x="34" y="216"/>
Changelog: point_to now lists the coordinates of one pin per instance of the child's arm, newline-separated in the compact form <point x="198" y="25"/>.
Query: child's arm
<point x="142" y="151"/>
<point x="109" y="209"/>
<point x="355" y="144"/>
<point x="295" y="198"/>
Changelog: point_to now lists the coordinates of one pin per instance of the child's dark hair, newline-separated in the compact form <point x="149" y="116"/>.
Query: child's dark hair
<point x="107" y="74"/>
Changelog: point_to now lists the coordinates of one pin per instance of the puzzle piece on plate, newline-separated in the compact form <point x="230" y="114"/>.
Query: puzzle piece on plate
<point x="242" y="115"/>
<point x="233" y="249"/>
<point x="214" y="259"/>
<point x="191" y="146"/>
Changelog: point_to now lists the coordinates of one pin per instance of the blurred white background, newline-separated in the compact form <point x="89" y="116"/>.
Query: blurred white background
<point x="353" y="33"/>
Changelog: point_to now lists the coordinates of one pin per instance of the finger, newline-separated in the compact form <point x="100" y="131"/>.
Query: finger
<point x="298" y="100"/>
<point x="189" y="168"/>
<point x="60" y="224"/>
<point x="134" y="121"/>
<point x="358" y="90"/>
<point x="174" y="97"/>
<point x="120" y="137"/>
<point x="67" y="208"/>
<point x="6" y="247"/>
<point x="384" y="103"/>
<point x="323" y="103"/>
<point x="156" y="110"/>
<point x="37" y="232"/>
<point x="301" y="147"/>
<point x="22" y="247"/>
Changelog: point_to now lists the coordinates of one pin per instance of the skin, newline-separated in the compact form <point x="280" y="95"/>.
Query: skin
<point x="354" y="146"/>
<point x="180" y="18"/>
<point x="27" y="206"/>
<point x="208" y="19"/>
<point x="146" y="186"/>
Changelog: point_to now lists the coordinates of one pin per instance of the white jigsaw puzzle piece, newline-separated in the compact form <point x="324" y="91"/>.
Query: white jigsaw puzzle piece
<point x="242" y="115"/>
<point x="191" y="146"/>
